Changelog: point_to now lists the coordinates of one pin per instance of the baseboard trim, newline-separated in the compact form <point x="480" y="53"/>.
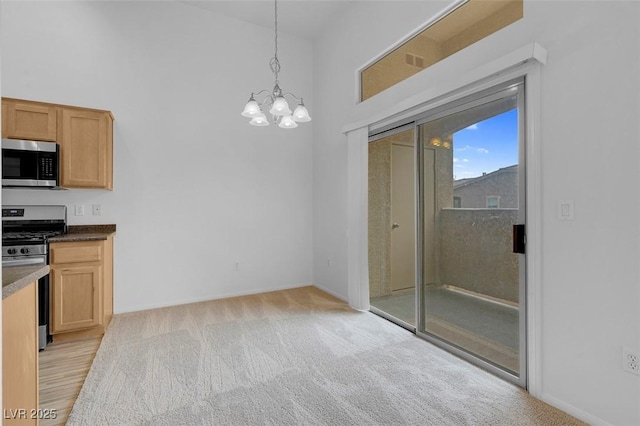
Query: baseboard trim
<point x="208" y="298"/>
<point x="574" y="411"/>
<point x="331" y="292"/>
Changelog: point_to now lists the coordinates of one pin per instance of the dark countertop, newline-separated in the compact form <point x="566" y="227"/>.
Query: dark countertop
<point x="15" y="278"/>
<point x="85" y="233"/>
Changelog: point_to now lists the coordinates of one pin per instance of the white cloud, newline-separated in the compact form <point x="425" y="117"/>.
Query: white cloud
<point x="472" y="127"/>
<point x="472" y="148"/>
<point x="455" y="160"/>
<point x="465" y="160"/>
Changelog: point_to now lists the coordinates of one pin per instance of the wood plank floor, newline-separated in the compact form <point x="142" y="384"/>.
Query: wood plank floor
<point x="63" y="368"/>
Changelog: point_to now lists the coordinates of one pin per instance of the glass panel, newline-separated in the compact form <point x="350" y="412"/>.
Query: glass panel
<point x="392" y="233"/>
<point x="19" y="164"/>
<point x="471" y="22"/>
<point x="470" y="200"/>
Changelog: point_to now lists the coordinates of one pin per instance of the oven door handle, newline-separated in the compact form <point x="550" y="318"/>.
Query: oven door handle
<point x="25" y="261"/>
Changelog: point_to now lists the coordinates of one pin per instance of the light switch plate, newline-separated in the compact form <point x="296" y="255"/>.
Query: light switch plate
<point x="566" y="210"/>
<point x="79" y="209"/>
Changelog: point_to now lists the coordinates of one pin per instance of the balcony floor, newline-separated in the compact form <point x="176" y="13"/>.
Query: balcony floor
<point x="485" y="328"/>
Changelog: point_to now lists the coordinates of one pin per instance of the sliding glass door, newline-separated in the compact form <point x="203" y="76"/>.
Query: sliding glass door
<point x="472" y="196"/>
<point x="392" y="230"/>
<point x="446" y="228"/>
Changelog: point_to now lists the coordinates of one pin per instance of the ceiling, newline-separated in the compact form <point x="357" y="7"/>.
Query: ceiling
<point x="303" y="18"/>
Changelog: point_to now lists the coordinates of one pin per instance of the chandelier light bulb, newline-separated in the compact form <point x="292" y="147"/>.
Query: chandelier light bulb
<point x="280" y="107"/>
<point x="251" y="109"/>
<point x="287" y="122"/>
<point x="259" y="120"/>
<point x="300" y="114"/>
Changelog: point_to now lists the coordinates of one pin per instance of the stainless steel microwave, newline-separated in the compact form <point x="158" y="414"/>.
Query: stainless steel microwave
<point x="30" y="164"/>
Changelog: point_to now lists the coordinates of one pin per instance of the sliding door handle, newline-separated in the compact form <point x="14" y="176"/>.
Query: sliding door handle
<point x="519" y="239"/>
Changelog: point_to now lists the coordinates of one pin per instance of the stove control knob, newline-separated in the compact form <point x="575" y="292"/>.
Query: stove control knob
<point x="24" y="251"/>
<point x="11" y="251"/>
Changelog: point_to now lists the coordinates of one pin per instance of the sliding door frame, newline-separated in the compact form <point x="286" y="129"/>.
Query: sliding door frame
<point x="515" y="84"/>
<point x="390" y="131"/>
<point x="527" y="61"/>
<point x="499" y="91"/>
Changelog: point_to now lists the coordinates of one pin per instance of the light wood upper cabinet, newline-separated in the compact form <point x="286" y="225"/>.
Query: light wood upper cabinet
<point x="85" y="137"/>
<point x="31" y="121"/>
<point x="5" y="108"/>
<point x="86" y="148"/>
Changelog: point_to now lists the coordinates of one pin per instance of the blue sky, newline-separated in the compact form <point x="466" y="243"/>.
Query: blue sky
<point x="486" y="146"/>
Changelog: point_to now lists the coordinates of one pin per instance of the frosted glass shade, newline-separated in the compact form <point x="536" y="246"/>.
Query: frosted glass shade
<point x="280" y="107"/>
<point x="301" y="115"/>
<point x="251" y="109"/>
<point x="259" y="120"/>
<point x="287" y="122"/>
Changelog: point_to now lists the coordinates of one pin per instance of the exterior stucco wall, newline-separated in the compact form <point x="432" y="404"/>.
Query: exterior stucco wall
<point x="476" y="251"/>
<point x="379" y="218"/>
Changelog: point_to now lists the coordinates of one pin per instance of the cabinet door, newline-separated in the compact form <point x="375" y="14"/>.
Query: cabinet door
<point x="77" y="297"/>
<point x="20" y="356"/>
<point x="75" y="252"/>
<point x="30" y="121"/>
<point x="5" y="108"/>
<point x="85" y="149"/>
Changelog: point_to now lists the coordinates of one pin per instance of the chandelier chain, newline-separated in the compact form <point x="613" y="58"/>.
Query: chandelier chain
<point x="274" y="63"/>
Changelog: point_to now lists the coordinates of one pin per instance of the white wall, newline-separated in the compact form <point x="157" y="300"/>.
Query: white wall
<point x="590" y="101"/>
<point x="352" y="40"/>
<point x="196" y="189"/>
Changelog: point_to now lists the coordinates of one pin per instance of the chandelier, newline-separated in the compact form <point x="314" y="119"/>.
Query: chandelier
<point x="275" y="100"/>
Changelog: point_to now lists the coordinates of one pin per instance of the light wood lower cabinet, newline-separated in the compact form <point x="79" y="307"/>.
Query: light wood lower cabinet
<point x="20" y="357"/>
<point x="77" y="297"/>
<point x="81" y="288"/>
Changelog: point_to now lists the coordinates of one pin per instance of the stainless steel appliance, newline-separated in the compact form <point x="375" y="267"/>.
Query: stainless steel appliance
<point x="30" y="164"/>
<point x="25" y="233"/>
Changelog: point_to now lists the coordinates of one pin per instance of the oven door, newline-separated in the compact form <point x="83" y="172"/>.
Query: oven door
<point x="29" y="163"/>
<point x="24" y="261"/>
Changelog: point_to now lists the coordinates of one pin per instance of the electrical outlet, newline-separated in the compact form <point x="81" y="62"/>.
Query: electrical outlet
<point x="630" y="361"/>
<point x="97" y="210"/>
<point x="79" y="209"/>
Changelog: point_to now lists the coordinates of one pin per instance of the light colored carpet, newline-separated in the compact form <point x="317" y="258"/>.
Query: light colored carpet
<point x="295" y="357"/>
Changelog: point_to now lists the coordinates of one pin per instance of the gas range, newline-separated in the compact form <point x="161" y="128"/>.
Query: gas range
<point x="25" y="234"/>
<point x="26" y="230"/>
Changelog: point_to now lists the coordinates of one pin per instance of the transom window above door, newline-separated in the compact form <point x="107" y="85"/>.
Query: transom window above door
<point x="466" y="22"/>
